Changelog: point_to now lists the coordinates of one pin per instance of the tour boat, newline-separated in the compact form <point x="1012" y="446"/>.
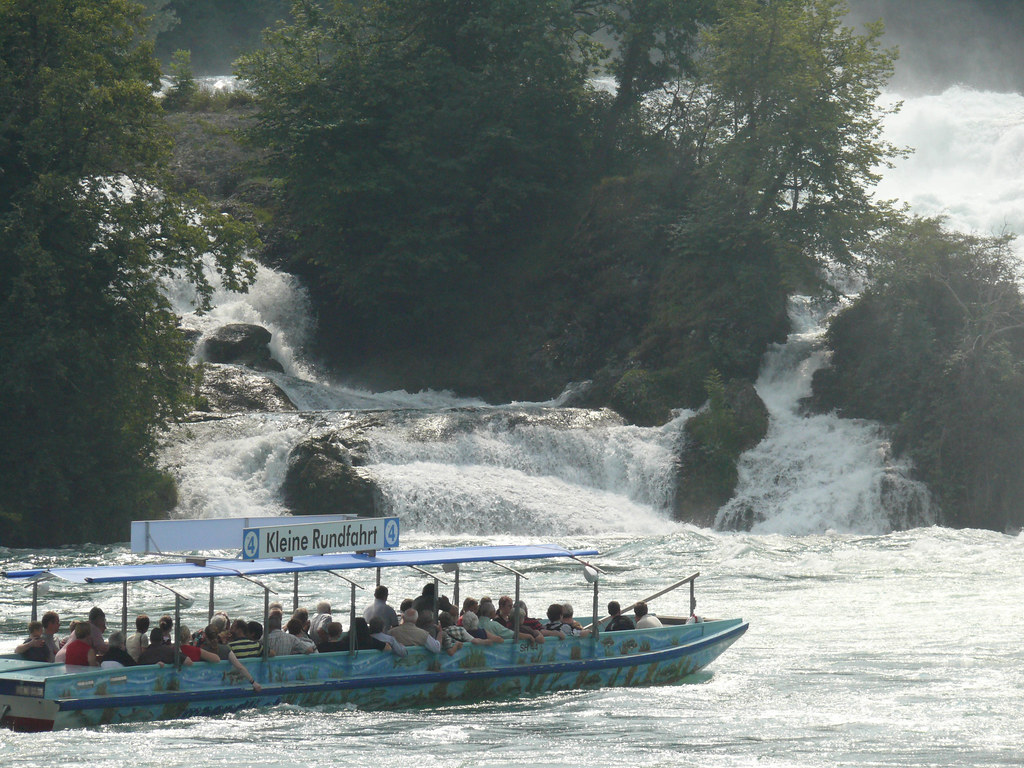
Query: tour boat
<point x="46" y="696"/>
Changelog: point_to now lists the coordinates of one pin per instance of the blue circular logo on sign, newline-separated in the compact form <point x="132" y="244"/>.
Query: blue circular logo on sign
<point x="251" y="544"/>
<point x="391" y="533"/>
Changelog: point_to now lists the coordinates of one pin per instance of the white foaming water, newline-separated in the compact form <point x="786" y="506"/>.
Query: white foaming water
<point x="813" y="474"/>
<point x="968" y="163"/>
<point x="820" y="473"/>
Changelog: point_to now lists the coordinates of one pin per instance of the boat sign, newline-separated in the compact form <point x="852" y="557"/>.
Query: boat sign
<point x="357" y="535"/>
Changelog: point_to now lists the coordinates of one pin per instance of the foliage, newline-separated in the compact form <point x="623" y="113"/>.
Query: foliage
<point x="183" y="87"/>
<point x="784" y="122"/>
<point x="93" y="362"/>
<point x="417" y="141"/>
<point x="935" y="348"/>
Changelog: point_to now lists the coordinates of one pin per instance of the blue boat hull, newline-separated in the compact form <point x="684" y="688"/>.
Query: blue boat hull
<point x="41" y="697"/>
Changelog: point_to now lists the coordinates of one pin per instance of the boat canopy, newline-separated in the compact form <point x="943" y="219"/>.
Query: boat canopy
<point x="215" y="567"/>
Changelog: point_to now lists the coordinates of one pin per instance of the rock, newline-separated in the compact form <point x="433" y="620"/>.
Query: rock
<point x="714" y="439"/>
<point x="228" y="389"/>
<point x="322" y="479"/>
<point x="240" y="344"/>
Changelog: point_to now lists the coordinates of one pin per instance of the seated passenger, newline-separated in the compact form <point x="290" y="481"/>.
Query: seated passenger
<point x="533" y="626"/>
<point x="244" y="646"/>
<point x="488" y="624"/>
<point x="407" y="633"/>
<point x="117" y="655"/>
<point x="378" y="633"/>
<point x="567" y="617"/>
<point x="556" y="624"/>
<point x="471" y="623"/>
<point x="34" y="648"/>
<point x="618" y="621"/>
<point x="334" y="640"/>
<point x="469" y="605"/>
<point x="187" y="645"/>
<point x="166" y="625"/>
<point x="645" y="620"/>
<point x="213" y="650"/>
<point x="283" y="643"/>
<point x="462" y="635"/>
<point x="79" y="652"/>
<point x="138" y="642"/>
<point x="425" y="601"/>
<point x="158" y="652"/>
<point x="98" y="625"/>
<point x="318" y="622"/>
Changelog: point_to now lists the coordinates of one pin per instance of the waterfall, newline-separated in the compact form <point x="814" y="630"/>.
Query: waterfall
<point x="455" y="466"/>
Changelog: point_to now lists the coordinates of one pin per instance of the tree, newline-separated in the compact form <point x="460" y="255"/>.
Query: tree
<point x="93" y="361"/>
<point x="935" y="349"/>
<point x="785" y="121"/>
<point x="416" y="140"/>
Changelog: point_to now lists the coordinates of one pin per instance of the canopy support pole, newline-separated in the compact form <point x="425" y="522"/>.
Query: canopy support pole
<point x="295" y="593"/>
<point x="266" y="617"/>
<point x="209" y="618"/>
<point x="124" y="608"/>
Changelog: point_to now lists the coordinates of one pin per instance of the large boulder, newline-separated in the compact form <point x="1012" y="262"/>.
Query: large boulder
<point x="322" y="478"/>
<point x="240" y="344"/>
<point x="229" y="389"/>
<point x="734" y="421"/>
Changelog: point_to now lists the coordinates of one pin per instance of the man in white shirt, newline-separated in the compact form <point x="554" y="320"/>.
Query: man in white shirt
<point x="645" y="620"/>
<point x="380" y="608"/>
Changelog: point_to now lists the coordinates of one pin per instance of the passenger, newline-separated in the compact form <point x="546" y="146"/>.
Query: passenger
<point x="79" y="652"/>
<point x="378" y="633"/>
<point x="407" y="633"/>
<point x="462" y="635"/>
<point x="555" y="622"/>
<point x="645" y="620"/>
<point x="364" y="638"/>
<point x="405" y="606"/>
<point x="158" y="652"/>
<point x="567" y="617"/>
<point x="426" y="599"/>
<point x="535" y="626"/>
<point x="34" y="648"/>
<point x="243" y="646"/>
<point x="334" y="641"/>
<point x="213" y="650"/>
<point x="504" y="614"/>
<point x="63" y="649"/>
<point x="471" y="623"/>
<point x="528" y="626"/>
<point x="425" y="621"/>
<point x="255" y="633"/>
<point x="319" y="621"/>
<point x="444" y="605"/>
<point x="166" y="625"/>
<point x="488" y="624"/>
<point x="139" y="641"/>
<point x="469" y="605"/>
<point x="281" y="643"/>
<point x="98" y="625"/>
<point x="51" y="626"/>
<point x="450" y="642"/>
<point x="186" y="640"/>
<point x="117" y="655"/>
<point x="379" y="607"/>
<point x="618" y="622"/>
<point x="302" y="616"/>
<point x="297" y="626"/>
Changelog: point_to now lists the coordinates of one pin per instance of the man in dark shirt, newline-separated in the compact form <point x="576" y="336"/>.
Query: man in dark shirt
<point x="334" y="641"/>
<point x="618" y="622"/>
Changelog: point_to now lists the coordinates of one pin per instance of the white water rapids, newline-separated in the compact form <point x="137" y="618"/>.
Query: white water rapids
<point x="812" y="474"/>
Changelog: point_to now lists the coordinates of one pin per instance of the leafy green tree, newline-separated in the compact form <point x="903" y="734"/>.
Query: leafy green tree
<point x="417" y="141"/>
<point x="785" y="120"/>
<point x="935" y="349"/>
<point x="93" y="363"/>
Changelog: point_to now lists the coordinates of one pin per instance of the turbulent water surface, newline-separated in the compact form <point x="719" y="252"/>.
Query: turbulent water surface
<point x="869" y="645"/>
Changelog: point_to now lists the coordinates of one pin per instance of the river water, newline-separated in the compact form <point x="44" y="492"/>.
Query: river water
<point x="869" y="645"/>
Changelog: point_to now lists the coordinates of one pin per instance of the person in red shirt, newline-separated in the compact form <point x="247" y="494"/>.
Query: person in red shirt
<point x="79" y="652"/>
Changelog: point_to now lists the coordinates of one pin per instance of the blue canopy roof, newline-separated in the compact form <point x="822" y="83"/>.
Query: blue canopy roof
<point x="217" y="567"/>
